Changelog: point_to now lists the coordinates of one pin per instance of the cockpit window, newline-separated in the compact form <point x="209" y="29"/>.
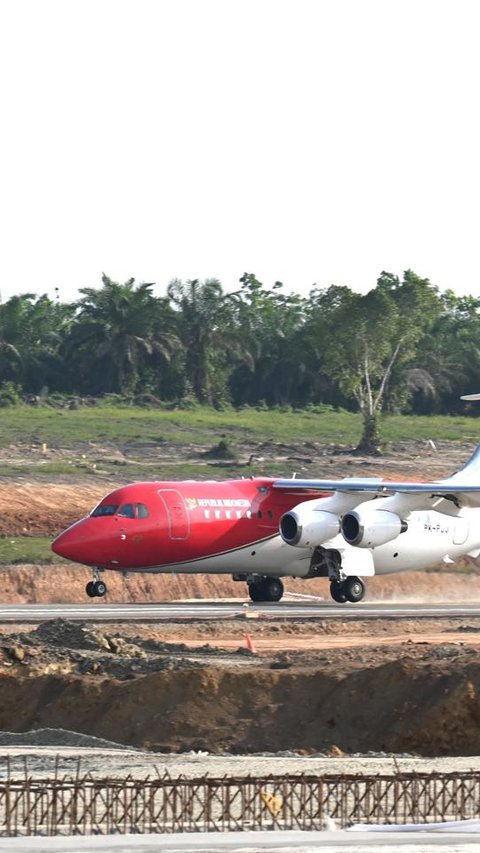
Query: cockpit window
<point x="142" y="511"/>
<point x="105" y="509"/>
<point x="127" y="511"/>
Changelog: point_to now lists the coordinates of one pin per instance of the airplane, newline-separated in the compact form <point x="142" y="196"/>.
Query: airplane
<point x="261" y="530"/>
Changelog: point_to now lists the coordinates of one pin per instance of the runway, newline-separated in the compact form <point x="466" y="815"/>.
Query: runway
<point x="99" y="611"/>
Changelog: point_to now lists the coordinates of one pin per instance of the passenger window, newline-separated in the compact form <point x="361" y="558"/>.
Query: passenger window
<point x="142" y="511"/>
<point x="127" y="511"/>
<point x="104" y="509"/>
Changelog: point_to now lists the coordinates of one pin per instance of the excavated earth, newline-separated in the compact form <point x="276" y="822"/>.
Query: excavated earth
<point x="308" y="686"/>
<point x="130" y="686"/>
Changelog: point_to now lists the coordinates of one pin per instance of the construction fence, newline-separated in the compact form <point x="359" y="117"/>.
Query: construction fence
<point x="88" y="805"/>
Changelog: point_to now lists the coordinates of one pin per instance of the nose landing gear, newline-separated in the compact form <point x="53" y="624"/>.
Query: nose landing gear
<point x="96" y="588"/>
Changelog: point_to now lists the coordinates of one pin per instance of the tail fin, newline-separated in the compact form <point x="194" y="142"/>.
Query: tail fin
<point x="468" y="474"/>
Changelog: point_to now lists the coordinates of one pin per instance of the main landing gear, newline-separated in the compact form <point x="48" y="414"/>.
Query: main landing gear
<point x="266" y="589"/>
<point x="96" y="588"/>
<point x="351" y="589"/>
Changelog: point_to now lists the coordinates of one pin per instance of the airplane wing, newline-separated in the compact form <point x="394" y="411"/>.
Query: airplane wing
<point x="461" y="494"/>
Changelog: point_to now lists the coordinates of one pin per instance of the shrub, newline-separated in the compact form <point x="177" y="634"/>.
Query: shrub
<point x="9" y="395"/>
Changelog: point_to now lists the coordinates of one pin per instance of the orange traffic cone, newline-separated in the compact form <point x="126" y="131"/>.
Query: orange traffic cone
<point x="250" y="644"/>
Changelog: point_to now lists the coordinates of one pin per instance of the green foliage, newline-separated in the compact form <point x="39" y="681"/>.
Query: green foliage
<point x="447" y="359"/>
<point x="267" y="327"/>
<point x="9" y="395"/>
<point x="402" y="347"/>
<point x="31" y="330"/>
<point x="203" y="319"/>
<point x="118" y="331"/>
<point x="375" y="334"/>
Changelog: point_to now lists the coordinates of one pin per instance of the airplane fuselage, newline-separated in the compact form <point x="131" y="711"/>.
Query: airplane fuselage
<point x="231" y="527"/>
<point x="191" y="526"/>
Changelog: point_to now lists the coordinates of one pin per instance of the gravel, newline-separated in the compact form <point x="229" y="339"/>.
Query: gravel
<point x="42" y="752"/>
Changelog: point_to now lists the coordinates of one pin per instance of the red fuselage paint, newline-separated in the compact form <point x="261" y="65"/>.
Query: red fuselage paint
<point x="170" y="524"/>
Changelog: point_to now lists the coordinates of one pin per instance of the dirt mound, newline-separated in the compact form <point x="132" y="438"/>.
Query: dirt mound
<point x="60" y="646"/>
<point x="65" y="584"/>
<point x="403" y="706"/>
<point x="62" y="584"/>
<point x="139" y="690"/>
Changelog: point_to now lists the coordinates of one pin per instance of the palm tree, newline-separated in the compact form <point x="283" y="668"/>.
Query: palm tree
<point x="120" y="325"/>
<point x="204" y="325"/>
<point x="267" y="324"/>
<point x="31" y="330"/>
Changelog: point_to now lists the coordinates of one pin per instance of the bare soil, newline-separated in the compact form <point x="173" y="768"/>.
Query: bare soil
<point x="308" y="686"/>
<point x="135" y="688"/>
<point x="36" y="507"/>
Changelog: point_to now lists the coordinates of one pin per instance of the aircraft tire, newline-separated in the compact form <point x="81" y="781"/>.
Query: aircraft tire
<point x="273" y="589"/>
<point x="90" y="589"/>
<point x="255" y="592"/>
<point x="100" y="588"/>
<point x="268" y="589"/>
<point x="354" y="589"/>
<point x="337" y="591"/>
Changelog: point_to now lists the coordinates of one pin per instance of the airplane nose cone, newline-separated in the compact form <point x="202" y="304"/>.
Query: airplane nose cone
<point x="74" y="544"/>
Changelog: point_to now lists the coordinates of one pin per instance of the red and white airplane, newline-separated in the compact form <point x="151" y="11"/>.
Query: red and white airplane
<point x="261" y="530"/>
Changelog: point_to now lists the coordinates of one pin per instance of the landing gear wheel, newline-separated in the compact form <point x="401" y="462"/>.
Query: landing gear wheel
<point x="337" y="591"/>
<point x="267" y="589"/>
<point x="100" y="588"/>
<point x="354" y="589"/>
<point x="273" y="589"/>
<point x="255" y="592"/>
<point x="96" y="589"/>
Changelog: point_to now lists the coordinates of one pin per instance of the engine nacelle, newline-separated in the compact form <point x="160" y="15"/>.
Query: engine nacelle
<point x="366" y="527"/>
<point x="306" y="527"/>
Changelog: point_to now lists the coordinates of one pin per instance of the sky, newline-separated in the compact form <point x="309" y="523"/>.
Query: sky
<point x="313" y="142"/>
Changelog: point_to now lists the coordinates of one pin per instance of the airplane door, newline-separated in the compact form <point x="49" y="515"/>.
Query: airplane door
<point x="178" y="520"/>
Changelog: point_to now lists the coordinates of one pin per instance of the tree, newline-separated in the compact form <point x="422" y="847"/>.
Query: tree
<point x="31" y="329"/>
<point x="266" y="323"/>
<point x="447" y="363"/>
<point x="371" y="335"/>
<point x="205" y="329"/>
<point x="117" y="329"/>
<point x="11" y="337"/>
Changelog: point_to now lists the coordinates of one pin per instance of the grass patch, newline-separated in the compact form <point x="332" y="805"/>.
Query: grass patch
<point x="46" y="469"/>
<point x="108" y="424"/>
<point x="27" y="549"/>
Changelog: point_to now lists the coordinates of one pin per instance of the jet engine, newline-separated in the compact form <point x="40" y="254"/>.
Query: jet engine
<point x="366" y="527"/>
<point x="307" y="527"/>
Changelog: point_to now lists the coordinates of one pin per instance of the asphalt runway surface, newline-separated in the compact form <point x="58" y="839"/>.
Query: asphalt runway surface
<point x="99" y="611"/>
